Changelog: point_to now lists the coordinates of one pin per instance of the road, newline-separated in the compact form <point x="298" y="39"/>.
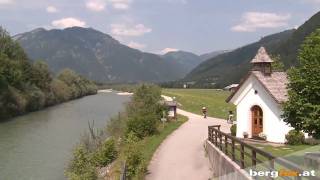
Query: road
<point x="182" y="155"/>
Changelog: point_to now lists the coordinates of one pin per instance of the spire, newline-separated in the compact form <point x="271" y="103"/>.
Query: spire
<point x="262" y="62"/>
<point x="262" y="57"/>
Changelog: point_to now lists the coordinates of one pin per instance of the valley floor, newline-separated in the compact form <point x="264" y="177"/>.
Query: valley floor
<point x="182" y="154"/>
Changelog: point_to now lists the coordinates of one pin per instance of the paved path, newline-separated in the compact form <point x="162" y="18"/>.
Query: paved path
<point x="182" y="156"/>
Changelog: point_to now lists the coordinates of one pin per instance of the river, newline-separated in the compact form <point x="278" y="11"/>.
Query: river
<point x="38" y="146"/>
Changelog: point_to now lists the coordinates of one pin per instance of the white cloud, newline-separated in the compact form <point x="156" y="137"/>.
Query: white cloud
<point x="166" y="50"/>
<point x="96" y="5"/>
<point x="68" y="22"/>
<point x="52" y="9"/>
<point x="6" y="2"/>
<point x="136" y="45"/>
<point x="120" y="4"/>
<point x="251" y="21"/>
<point x="125" y="30"/>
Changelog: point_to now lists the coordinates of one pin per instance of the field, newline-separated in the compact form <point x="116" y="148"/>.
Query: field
<point x="193" y="100"/>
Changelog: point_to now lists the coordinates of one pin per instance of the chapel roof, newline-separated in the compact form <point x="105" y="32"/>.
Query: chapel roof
<point x="262" y="57"/>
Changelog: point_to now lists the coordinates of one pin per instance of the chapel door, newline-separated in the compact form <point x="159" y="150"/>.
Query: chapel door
<point x="257" y="120"/>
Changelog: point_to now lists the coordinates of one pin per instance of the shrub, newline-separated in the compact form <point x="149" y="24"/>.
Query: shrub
<point x="233" y="130"/>
<point x="61" y="90"/>
<point x="144" y="111"/>
<point x="105" y="154"/>
<point x="142" y="124"/>
<point x="81" y="167"/>
<point x="36" y="98"/>
<point x="295" y="137"/>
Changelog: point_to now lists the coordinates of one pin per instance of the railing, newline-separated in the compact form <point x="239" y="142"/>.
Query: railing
<point x="123" y="174"/>
<point x="246" y="155"/>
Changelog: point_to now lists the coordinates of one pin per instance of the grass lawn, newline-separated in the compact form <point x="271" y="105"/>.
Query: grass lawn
<point x="193" y="100"/>
<point x="292" y="153"/>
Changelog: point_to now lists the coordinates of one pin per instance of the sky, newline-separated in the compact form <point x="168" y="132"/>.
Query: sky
<point x="160" y="26"/>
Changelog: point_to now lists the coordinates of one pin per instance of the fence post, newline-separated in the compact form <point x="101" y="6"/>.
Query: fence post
<point x="254" y="158"/>
<point x="271" y="164"/>
<point x="233" y="151"/>
<point x="216" y="138"/>
<point x="226" y="144"/>
<point x="242" y="156"/>
<point x="209" y="134"/>
<point x="220" y="139"/>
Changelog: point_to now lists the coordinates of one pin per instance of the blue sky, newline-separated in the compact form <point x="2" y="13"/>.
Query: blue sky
<point x="159" y="26"/>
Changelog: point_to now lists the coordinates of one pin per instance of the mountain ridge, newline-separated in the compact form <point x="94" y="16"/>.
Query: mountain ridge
<point x="228" y="68"/>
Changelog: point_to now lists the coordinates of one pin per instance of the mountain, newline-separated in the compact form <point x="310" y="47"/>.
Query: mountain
<point x="95" y="55"/>
<point x="186" y="61"/>
<point x="230" y="67"/>
<point x="213" y="54"/>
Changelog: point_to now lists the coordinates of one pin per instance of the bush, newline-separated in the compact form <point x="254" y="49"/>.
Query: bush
<point x="142" y="125"/>
<point x="60" y="90"/>
<point x="133" y="155"/>
<point x="144" y="111"/>
<point x="36" y="98"/>
<point x="233" y="130"/>
<point x="81" y="167"/>
<point x="295" y="137"/>
<point x="105" y="154"/>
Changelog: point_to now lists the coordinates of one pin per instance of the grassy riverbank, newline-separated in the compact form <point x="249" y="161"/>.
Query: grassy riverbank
<point x="193" y="100"/>
<point x="130" y="138"/>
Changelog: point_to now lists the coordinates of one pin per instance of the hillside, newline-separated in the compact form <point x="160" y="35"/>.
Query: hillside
<point x="229" y="67"/>
<point x="186" y="61"/>
<point x="95" y="55"/>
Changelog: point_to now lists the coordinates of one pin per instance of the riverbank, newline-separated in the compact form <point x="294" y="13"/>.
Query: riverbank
<point x="25" y="112"/>
<point x="131" y="138"/>
<point x="40" y="143"/>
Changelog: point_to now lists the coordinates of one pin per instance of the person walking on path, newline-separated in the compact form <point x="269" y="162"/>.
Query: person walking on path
<point x="204" y="112"/>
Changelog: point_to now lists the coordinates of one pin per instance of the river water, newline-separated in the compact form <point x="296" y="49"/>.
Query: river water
<point x="38" y="146"/>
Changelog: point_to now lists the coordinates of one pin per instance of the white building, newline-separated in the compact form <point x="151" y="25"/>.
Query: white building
<point x="259" y="99"/>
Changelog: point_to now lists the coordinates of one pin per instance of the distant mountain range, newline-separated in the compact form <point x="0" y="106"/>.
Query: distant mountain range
<point x="100" y="57"/>
<point x="230" y="67"/>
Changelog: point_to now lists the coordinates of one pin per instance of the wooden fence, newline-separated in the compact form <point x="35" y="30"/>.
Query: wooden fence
<point x="248" y="156"/>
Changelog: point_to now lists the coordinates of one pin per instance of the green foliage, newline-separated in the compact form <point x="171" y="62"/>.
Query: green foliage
<point x="40" y="75"/>
<point x="144" y="111"/>
<point x="302" y="110"/>
<point x="277" y="64"/>
<point x="295" y="137"/>
<point x="233" y="130"/>
<point x="61" y="90"/>
<point x="81" y="167"/>
<point x="79" y="86"/>
<point x="133" y="155"/>
<point x="28" y="87"/>
<point x="105" y="154"/>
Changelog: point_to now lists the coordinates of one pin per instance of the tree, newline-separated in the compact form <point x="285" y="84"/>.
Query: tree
<point x="40" y="75"/>
<point x="277" y="64"/>
<point x="302" y="110"/>
<point x="144" y="111"/>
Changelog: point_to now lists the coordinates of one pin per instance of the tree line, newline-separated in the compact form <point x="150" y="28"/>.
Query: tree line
<point x="27" y="87"/>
